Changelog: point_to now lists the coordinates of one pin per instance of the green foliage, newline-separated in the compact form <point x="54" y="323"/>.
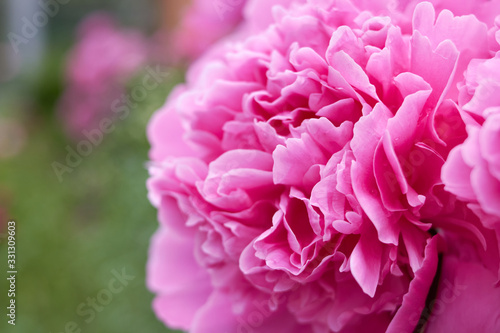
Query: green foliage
<point x="72" y="234"/>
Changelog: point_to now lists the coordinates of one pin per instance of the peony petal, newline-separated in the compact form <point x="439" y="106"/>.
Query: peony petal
<point x="174" y="274"/>
<point x="365" y="262"/>
<point x="407" y="317"/>
<point x="463" y="284"/>
<point x="456" y="175"/>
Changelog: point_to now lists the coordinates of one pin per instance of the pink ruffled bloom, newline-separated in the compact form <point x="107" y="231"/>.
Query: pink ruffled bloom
<point x="297" y="173"/>
<point x="472" y="171"/>
<point x="99" y="65"/>
<point x="204" y="22"/>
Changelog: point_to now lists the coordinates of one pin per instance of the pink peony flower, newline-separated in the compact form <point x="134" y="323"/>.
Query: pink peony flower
<point x="472" y="171"/>
<point x="100" y="64"/>
<point x="203" y="23"/>
<point x="297" y="173"/>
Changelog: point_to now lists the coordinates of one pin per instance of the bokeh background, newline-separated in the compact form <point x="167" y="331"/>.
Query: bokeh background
<point x="72" y="233"/>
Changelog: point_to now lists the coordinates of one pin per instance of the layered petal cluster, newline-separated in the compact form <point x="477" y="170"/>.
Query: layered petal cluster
<point x="297" y="173"/>
<point x="103" y="59"/>
<point x="472" y="171"/>
<point x="203" y="22"/>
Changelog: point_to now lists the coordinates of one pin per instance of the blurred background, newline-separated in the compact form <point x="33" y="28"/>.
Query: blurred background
<point x="79" y="80"/>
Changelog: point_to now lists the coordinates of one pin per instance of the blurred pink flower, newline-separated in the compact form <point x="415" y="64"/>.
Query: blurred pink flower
<point x="297" y="173"/>
<point x="98" y="67"/>
<point x="203" y="23"/>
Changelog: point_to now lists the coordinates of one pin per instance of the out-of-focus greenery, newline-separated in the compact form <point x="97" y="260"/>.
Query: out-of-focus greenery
<point x="72" y="234"/>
